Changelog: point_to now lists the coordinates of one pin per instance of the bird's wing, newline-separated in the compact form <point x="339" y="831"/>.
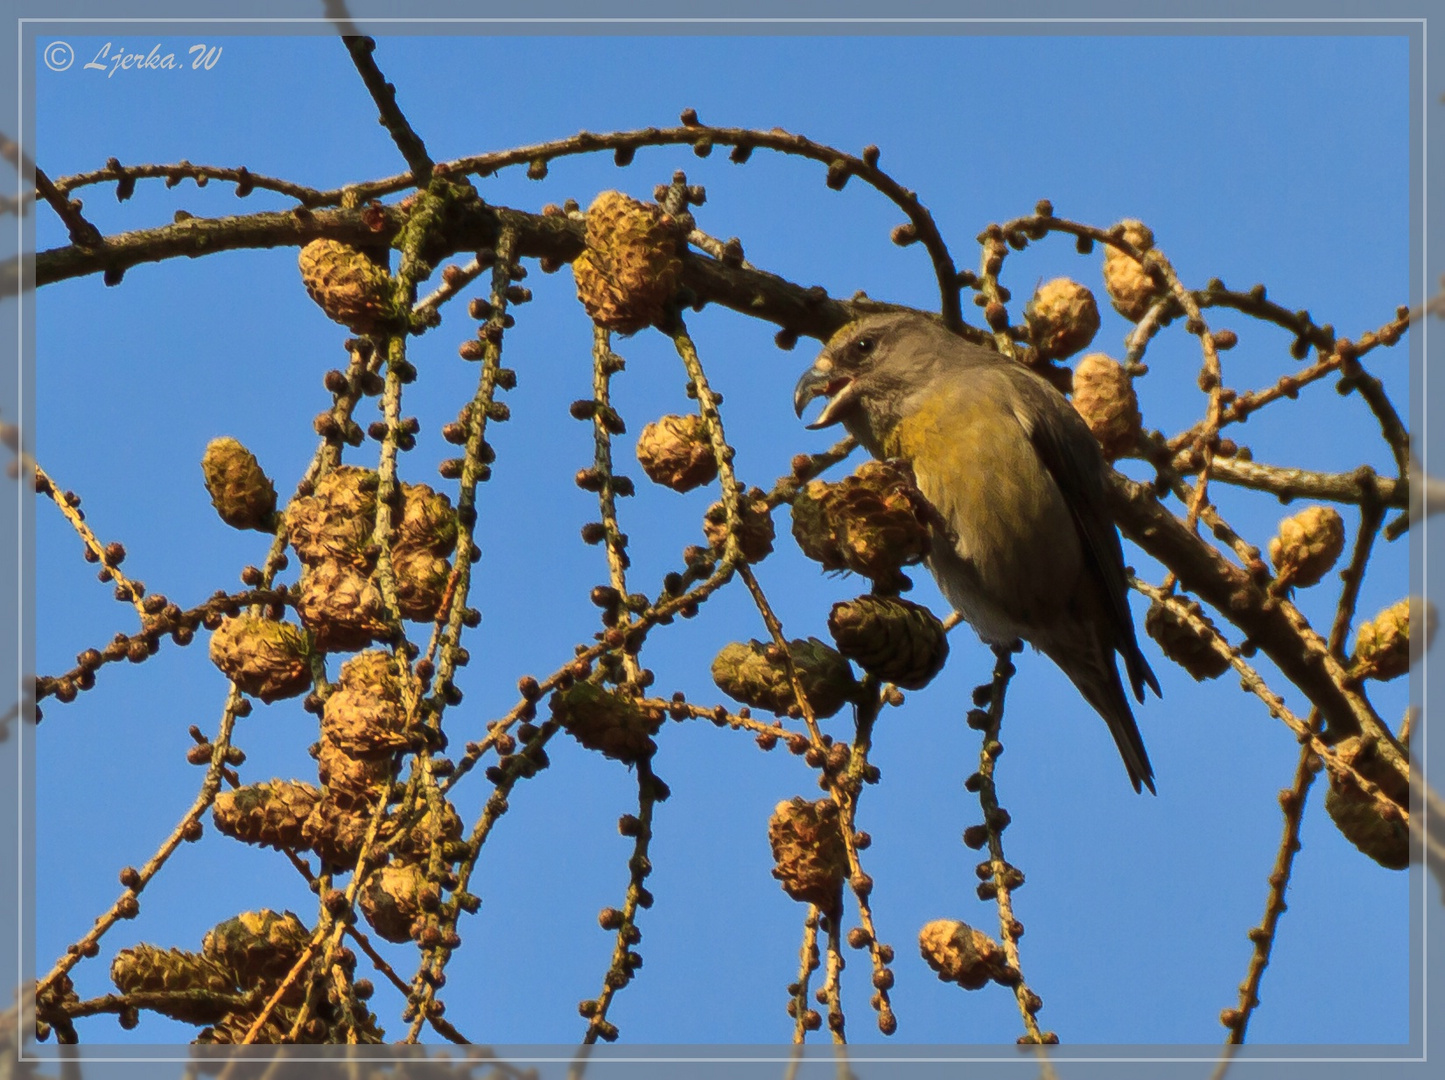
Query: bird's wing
<point x="1077" y="466"/>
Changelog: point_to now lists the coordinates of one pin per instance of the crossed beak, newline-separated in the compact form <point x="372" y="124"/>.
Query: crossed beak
<point x="823" y="380"/>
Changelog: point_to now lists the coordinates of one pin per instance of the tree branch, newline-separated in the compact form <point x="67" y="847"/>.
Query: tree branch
<point x="472" y="226"/>
<point x="392" y="118"/>
<point x="1268" y="622"/>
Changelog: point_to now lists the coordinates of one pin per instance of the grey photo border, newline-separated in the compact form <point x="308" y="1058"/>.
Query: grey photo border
<point x="642" y="17"/>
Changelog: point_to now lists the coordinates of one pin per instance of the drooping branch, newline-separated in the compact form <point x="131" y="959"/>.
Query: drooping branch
<point x="1203" y="570"/>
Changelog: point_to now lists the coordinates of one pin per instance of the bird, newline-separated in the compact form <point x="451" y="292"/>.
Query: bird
<point x="1027" y="549"/>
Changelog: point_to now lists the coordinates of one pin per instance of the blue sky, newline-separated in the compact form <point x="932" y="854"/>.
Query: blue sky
<point x="1282" y="160"/>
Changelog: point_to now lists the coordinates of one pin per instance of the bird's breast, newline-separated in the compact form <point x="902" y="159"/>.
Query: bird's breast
<point x="1012" y="557"/>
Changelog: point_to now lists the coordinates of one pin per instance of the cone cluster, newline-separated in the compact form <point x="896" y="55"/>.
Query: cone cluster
<point x="331" y="530"/>
<point x="362" y="726"/>
<point x="630" y="269"/>
<point x="261" y="947"/>
<point x="247" y="955"/>
<point x="296" y="815"/>
<point x="392" y="900"/>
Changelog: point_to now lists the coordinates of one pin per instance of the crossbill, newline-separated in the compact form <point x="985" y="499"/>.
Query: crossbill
<point x="1024" y="547"/>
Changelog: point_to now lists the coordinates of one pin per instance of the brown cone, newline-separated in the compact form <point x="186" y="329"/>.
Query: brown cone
<point x="1062" y="318"/>
<point x="421" y="583"/>
<point x="1385" y="646"/>
<point x="756" y="675"/>
<point x="148" y="968"/>
<point x="428" y="522"/>
<point x="350" y="288"/>
<point x="268" y="814"/>
<point x="1307" y="545"/>
<point x="336" y="520"/>
<point x="809" y="857"/>
<point x="364" y="716"/>
<point x="257" y="946"/>
<point x="963" y="955"/>
<point x="1104" y="396"/>
<point x="341" y="606"/>
<point x="1131" y="289"/>
<point x="755" y="527"/>
<point x="603" y="720"/>
<point x="267" y="659"/>
<point x="895" y="640"/>
<point x="337" y="826"/>
<point x="630" y="269"/>
<point x="675" y="452"/>
<point x="415" y="843"/>
<point x="1384" y="837"/>
<point x="240" y="491"/>
<point x="389" y="900"/>
<point x="1181" y="643"/>
<point x="231" y="1029"/>
<point x="872" y="522"/>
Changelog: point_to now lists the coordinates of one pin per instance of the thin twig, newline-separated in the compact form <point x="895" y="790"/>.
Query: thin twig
<point x="1002" y="878"/>
<point x="82" y="232"/>
<point x="392" y="118"/>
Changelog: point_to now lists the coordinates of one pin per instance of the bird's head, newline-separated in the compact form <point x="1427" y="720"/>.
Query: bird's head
<point x="868" y="371"/>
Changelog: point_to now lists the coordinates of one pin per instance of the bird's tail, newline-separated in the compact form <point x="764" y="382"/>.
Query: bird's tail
<point x="1093" y="671"/>
<point x="1140" y="673"/>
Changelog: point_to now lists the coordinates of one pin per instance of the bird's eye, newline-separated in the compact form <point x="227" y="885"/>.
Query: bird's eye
<point x="863" y="346"/>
